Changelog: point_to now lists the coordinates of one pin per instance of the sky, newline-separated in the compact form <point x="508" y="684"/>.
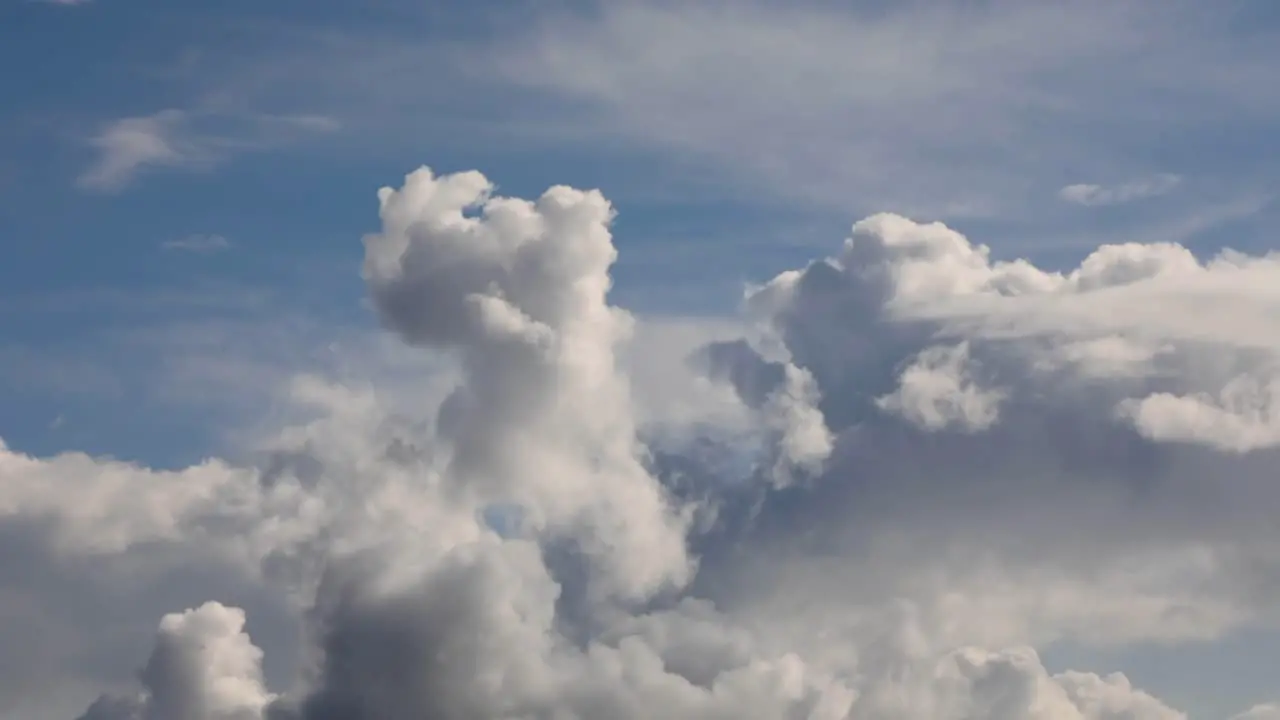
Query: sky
<point x="585" y="359"/>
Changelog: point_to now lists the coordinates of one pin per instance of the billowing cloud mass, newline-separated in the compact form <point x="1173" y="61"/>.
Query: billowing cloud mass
<point x="913" y="469"/>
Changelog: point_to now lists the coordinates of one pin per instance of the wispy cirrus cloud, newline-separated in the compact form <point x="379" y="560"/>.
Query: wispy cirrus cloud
<point x="932" y="107"/>
<point x="181" y="139"/>
<point x="1090" y="194"/>
<point x="128" y="145"/>
<point x="929" y="109"/>
<point x="199" y="244"/>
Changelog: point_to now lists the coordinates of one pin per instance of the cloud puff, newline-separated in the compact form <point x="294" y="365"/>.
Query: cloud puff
<point x="203" y="666"/>
<point x="935" y="392"/>
<point x="931" y="471"/>
<point x="1089" y="194"/>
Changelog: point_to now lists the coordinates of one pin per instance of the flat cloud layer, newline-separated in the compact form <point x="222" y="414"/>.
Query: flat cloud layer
<point x="914" y="466"/>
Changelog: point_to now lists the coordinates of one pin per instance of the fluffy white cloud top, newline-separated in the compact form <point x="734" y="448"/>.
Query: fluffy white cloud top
<point x="912" y="468"/>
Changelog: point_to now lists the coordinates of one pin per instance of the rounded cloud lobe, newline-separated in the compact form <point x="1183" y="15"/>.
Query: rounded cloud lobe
<point x="938" y="463"/>
<point x="203" y="666"/>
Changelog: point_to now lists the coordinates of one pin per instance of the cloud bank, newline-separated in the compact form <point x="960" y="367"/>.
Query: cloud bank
<point x="913" y="468"/>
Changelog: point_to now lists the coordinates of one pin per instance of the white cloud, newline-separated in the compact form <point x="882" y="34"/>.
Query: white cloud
<point x="110" y="519"/>
<point x="1147" y="320"/>
<point x="544" y="538"/>
<point x="201" y="244"/>
<point x="935" y="392"/>
<point x="203" y="666"/>
<point x="519" y="293"/>
<point x="1089" y="194"/>
<point x="1244" y="416"/>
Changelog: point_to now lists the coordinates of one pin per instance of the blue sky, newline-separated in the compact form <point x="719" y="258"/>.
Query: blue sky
<point x="93" y="266"/>
<point x="183" y="186"/>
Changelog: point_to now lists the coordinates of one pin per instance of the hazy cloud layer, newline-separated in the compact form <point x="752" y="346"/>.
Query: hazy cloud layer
<point x="910" y="469"/>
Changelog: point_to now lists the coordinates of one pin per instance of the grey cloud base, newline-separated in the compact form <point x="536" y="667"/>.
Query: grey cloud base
<point x="915" y="466"/>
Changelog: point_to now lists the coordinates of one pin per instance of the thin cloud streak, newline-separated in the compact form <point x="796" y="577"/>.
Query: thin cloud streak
<point x="1090" y="195"/>
<point x="198" y="244"/>
<point x="180" y="139"/>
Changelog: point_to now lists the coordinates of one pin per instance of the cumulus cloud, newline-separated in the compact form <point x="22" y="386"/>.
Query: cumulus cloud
<point x="520" y="293"/>
<point x="1145" y="320"/>
<point x="912" y="467"/>
<point x="203" y="666"/>
<point x="1090" y="194"/>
